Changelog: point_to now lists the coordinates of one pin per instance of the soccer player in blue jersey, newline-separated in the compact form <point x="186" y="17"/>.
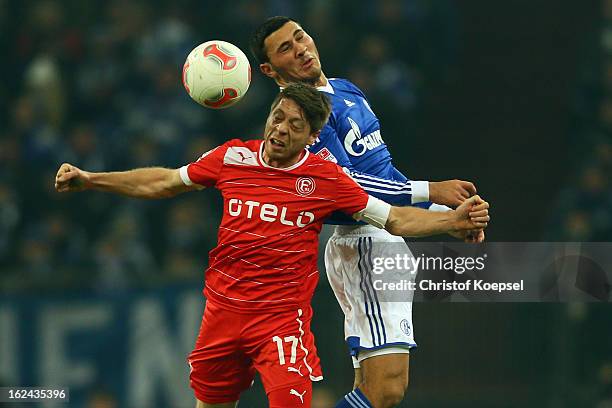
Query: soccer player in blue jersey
<point x="379" y="334"/>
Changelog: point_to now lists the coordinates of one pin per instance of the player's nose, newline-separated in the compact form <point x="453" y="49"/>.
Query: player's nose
<point x="282" y="128"/>
<point x="301" y="50"/>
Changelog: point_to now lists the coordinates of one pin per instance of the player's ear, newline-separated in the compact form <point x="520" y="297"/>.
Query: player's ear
<point x="267" y="70"/>
<point x="313" y="137"/>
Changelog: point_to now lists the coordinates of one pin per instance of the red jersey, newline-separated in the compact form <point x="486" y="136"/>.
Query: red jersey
<point x="267" y="246"/>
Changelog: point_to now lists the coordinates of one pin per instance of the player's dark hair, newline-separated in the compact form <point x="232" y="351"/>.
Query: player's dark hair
<point x="314" y="104"/>
<point x="256" y="44"/>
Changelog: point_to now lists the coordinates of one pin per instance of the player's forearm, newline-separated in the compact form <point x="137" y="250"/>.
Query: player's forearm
<point x="416" y="222"/>
<point x="153" y="182"/>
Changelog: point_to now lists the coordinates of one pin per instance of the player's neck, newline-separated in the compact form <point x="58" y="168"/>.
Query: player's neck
<point x="281" y="164"/>
<point x="322" y="81"/>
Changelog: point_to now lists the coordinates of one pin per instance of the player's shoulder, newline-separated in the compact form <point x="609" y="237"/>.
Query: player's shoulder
<point x="343" y="85"/>
<point x="249" y="147"/>
<point x="235" y="151"/>
<point x="343" y="94"/>
<point x="322" y="165"/>
<point x="252" y="144"/>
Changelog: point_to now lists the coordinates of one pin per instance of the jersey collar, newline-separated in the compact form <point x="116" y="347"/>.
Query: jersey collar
<point x="295" y="166"/>
<point x="326" y="88"/>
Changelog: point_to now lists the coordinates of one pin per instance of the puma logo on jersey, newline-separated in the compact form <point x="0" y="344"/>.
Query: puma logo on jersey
<point x="243" y="157"/>
<point x="268" y="212"/>
<point x="357" y="145"/>
<point x="295" y="370"/>
<point x="297" y="394"/>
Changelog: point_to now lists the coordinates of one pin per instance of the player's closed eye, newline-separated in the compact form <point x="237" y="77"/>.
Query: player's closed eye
<point x="297" y="125"/>
<point x="285" y="47"/>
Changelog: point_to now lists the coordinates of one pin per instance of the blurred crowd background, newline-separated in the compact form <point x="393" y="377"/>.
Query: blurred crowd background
<point x="516" y="97"/>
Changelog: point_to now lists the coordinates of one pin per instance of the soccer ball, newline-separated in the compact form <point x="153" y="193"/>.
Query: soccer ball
<point x="216" y="74"/>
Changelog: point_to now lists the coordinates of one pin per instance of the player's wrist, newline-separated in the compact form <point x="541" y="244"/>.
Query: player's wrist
<point x="432" y="190"/>
<point x="87" y="180"/>
<point x="456" y="221"/>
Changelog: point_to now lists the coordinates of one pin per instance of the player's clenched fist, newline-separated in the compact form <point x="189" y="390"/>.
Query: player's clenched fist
<point x="479" y="213"/>
<point x="70" y="178"/>
<point x="473" y="213"/>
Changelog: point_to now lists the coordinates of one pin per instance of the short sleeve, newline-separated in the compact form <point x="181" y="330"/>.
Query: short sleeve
<point x="205" y="171"/>
<point x="350" y="197"/>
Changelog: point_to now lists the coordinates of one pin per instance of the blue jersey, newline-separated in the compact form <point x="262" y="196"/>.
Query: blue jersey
<point x="352" y="139"/>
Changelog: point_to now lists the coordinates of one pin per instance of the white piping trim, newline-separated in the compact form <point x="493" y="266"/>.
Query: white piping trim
<point x="295" y="166"/>
<point x="304" y="349"/>
<point x="326" y="88"/>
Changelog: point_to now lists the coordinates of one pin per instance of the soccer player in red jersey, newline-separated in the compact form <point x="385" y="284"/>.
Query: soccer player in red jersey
<point x="263" y="272"/>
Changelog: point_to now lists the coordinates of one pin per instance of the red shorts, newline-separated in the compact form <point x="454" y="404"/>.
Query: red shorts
<point x="232" y="346"/>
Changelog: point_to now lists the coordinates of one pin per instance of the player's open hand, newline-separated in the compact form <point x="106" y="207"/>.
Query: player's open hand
<point x="450" y="192"/>
<point x="70" y="178"/>
<point x="473" y="214"/>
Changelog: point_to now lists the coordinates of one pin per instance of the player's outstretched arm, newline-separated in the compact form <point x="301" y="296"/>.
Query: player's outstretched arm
<point x="152" y="182"/>
<point x="472" y="214"/>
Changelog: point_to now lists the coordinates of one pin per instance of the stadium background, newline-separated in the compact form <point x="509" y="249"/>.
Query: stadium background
<point x="101" y="293"/>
